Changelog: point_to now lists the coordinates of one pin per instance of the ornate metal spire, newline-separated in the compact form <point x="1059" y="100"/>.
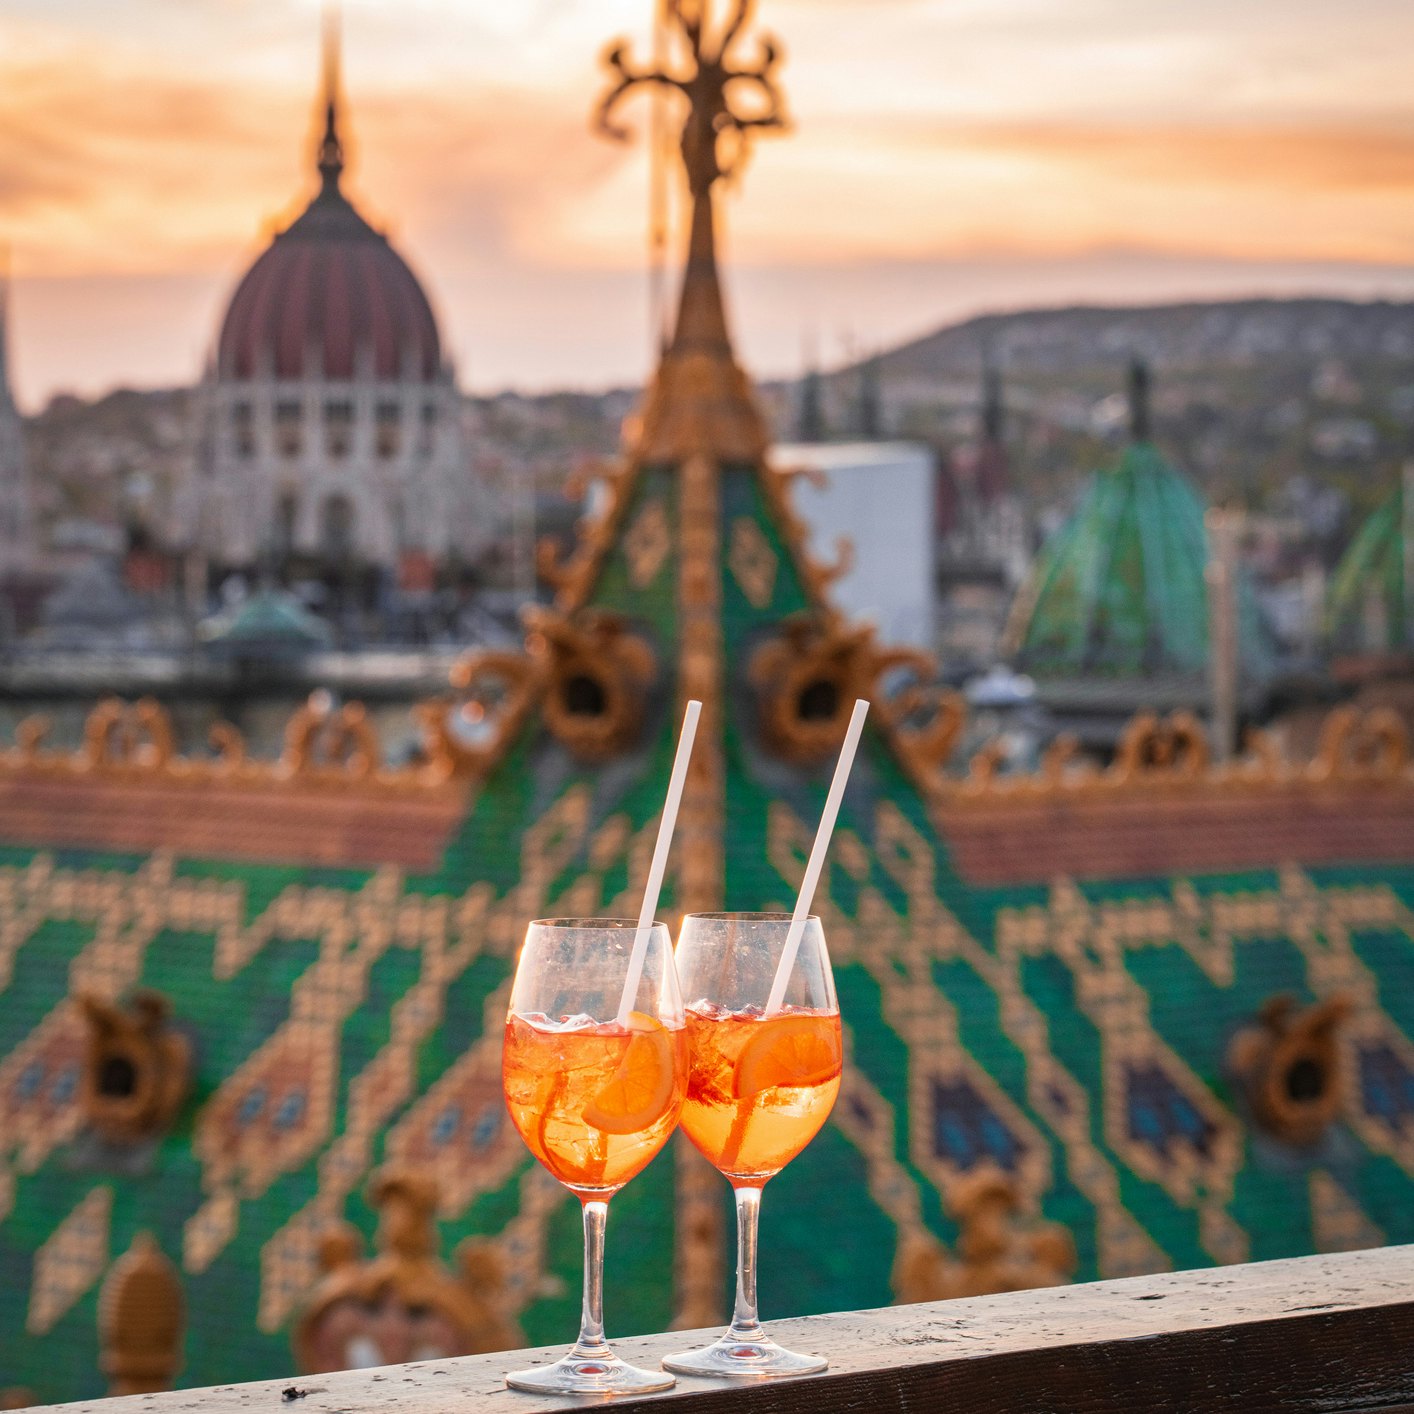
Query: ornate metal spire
<point x="331" y="150"/>
<point x="714" y="136"/>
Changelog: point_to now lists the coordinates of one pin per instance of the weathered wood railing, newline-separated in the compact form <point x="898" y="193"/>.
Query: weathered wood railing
<point x="1333" y="1334"/>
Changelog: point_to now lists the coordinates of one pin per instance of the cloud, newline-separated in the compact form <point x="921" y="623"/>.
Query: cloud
<point x="150" y="140"/>
<point x="1290" y="159"/>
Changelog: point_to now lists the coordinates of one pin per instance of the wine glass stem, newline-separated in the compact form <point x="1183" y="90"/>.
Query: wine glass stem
<point x="745" y="1323"/>
<point x="591" y="1344"/>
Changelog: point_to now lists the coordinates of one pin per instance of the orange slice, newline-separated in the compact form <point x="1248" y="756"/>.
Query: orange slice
<point x="788" y="1050"/>
<point x="642" y="1087"/>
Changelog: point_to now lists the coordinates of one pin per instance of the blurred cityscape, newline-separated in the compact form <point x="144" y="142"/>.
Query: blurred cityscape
<point x="293" y="521"/>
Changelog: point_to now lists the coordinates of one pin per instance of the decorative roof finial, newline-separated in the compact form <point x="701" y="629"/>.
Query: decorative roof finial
<point x="331" y="150"/>
<point x="1140" y="426"/>
<point x="713" y="136"/>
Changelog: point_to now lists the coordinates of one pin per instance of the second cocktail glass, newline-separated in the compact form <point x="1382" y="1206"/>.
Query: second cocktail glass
<point x="759" y="1089"/>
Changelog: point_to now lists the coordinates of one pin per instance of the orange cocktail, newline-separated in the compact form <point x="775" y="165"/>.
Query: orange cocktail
<point x="594" y="1066"/>
<point x="767" y="1051"/>
<point x="594" y="1103"/>
<point x="760" y="1087"/>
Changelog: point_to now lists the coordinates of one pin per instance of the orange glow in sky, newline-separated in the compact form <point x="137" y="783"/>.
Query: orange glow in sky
<point x="948" y="156"/>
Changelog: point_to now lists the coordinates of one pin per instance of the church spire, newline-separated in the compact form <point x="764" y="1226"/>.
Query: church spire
<point x="331" y="149"/>
<point x="1140" y="422"/>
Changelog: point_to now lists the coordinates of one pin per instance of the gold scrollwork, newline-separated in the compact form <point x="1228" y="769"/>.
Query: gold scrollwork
<point x="1287" y="1061"/>
<point x="1152" y="748"/>
<point x="596" y="675"/>
<point x="806" y="680"/>
<point x="323" y="741"/>
<point x="998" y="1248"/>
<point x="402" y="1303"/>
<point x="463" y="734"/>
<point x="807" y="677"/>
<point x="1353" y="747"/>
<point x="134" y="735"/>
<point x="137" y="1068"/>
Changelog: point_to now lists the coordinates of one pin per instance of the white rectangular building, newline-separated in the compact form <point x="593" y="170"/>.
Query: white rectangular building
<point x="880" y="497"/>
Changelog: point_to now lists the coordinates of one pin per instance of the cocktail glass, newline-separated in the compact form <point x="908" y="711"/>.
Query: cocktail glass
<point x="594" y="1100"/>
<point x="759" y="1088"/>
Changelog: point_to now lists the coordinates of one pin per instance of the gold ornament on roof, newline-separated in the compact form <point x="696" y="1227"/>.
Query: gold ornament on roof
<point x="999" y="1248"/>
<point x="1353" y="747"/>
<point x="807" y="676"/>
<point x="714" y="134"/>
<point x="137" y="734"/>
<point x="141" y="1320"/>
<point x="403" y="1303"/>
<point x="1288" y="1062"/>
<point x="596" y="674"/>
<point x="137" y="1067"/>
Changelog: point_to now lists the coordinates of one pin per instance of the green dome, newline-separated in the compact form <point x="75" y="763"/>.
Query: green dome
<point x="1371" y="603"/>
<point x="271" y="620"/>
<point x="1119" y="590"/>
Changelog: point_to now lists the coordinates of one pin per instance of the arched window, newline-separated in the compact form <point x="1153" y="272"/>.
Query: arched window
<point x="389" y="429"/>
<point x="287" y="429"/>
<point x="338" y="427"/>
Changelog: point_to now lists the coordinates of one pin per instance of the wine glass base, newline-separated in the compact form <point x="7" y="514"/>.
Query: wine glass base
<point x="584" y="1375"/>
<point x="745" y="1359"/>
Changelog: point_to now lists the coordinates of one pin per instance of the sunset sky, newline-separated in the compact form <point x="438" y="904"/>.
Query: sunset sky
<point x="948" y="157"/>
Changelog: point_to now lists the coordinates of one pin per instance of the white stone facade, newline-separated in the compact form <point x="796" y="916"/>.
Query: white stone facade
<point x="366" y="471"/>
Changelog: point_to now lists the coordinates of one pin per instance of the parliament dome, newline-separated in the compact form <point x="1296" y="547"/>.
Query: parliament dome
<point x="329" y="298"/>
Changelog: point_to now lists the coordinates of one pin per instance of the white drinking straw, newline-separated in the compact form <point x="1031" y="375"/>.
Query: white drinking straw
<point x="660" y="860"/>
<point x="816" y="861"/>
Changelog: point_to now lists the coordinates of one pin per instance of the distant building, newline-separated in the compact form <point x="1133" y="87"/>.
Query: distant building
<point x="810" y="409"/>
<point x="1114" y="614"/>
<point x="331" y="436"/>
<point x="984" y="537"/>
<point x="18" y="549"/>
<point x="878" y="497"/>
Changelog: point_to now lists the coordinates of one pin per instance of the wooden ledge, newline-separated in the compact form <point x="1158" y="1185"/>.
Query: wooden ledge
<point x="1333" y="1334"/>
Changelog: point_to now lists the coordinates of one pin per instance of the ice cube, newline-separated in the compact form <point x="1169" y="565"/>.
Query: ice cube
<point x="580" y="1021"/>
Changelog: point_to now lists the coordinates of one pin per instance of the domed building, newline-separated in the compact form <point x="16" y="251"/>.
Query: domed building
<point x="1371" y="606"/>
<point x="332" y="443"/>
<point x="1114" y="614"/>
